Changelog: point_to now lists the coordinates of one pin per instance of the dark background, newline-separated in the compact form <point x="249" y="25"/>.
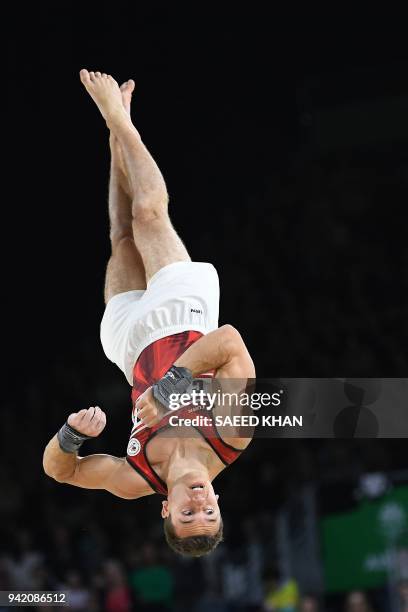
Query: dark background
<point x="283" y="141"/>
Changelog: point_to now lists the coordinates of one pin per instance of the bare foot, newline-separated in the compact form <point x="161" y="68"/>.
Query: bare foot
<point x="126" y="90"/>
<point x="106" y="94"/>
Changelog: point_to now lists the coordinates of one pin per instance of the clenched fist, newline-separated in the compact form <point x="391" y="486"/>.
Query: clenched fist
<point x="89" y="422"/>
<point x="148" y="409"/>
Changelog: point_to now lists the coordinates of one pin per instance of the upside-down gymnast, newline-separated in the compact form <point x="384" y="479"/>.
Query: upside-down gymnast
<point x="160" y="326"/>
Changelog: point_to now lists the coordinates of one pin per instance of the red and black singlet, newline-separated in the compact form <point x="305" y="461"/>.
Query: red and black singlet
<point x="152" y="364"/>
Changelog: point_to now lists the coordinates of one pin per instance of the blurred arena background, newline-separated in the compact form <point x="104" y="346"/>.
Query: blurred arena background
<point x="283" y="139"/>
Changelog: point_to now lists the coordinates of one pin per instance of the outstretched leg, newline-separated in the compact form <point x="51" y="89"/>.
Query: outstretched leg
<point x="154" y="235"/>
<point x="125" y="270"/>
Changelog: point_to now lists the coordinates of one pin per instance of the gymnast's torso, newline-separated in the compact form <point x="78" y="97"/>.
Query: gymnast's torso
<point x="149" y="449"/>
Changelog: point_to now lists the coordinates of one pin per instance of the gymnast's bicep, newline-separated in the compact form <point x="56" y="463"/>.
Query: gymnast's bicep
<point x="108" y="473"/>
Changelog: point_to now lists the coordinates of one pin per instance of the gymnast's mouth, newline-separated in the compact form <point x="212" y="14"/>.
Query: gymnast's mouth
<point x="197" y="487"/>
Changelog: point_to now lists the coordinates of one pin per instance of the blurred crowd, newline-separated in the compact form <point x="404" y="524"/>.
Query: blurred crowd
<point x="144" y="578"/>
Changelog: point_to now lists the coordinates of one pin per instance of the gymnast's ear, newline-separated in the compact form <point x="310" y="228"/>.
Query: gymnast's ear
<point x="165" y="509"/>
<point x="217" y="497"/>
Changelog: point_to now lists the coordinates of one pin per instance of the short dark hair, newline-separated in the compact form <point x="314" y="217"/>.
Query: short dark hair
<point x="192" y="546"/>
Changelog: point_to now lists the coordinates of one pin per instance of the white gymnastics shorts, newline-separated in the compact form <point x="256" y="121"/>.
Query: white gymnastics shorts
<point x="181" y="296"/>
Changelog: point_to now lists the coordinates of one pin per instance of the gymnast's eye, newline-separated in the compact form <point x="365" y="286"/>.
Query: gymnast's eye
<point x="209" y="511"/>
<point x="186" y="512"/>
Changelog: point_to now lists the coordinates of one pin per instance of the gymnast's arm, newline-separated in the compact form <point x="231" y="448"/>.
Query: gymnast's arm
<point x="106" y="472"/>
<point x="222" y="350"/>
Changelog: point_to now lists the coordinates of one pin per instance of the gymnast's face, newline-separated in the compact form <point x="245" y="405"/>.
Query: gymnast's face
<point x="193" y="508"/>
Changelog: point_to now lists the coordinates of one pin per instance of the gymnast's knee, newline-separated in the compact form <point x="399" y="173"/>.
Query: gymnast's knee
<point x="150" y="210"/>
<point x="122" y="242"/>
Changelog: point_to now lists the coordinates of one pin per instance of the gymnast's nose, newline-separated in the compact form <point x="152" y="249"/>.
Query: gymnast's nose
<point x="198" y="495"/>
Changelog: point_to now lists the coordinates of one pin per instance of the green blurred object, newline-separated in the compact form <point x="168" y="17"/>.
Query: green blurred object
<point x="359" y="546"/>
<point x="153" y="584"/>
<point x="284" y="598"/>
